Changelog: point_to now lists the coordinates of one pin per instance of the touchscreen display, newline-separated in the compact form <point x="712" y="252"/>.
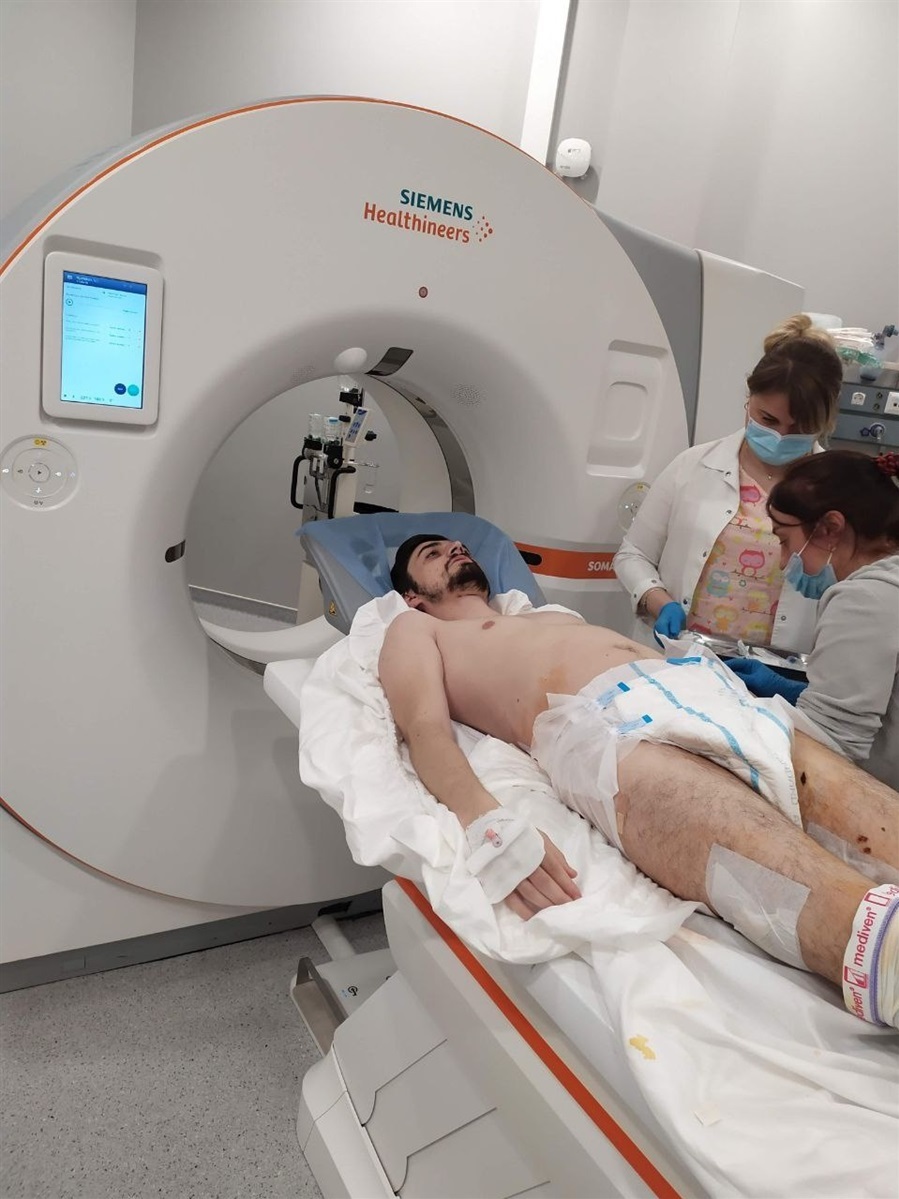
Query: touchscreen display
<point x="103" y="336"/>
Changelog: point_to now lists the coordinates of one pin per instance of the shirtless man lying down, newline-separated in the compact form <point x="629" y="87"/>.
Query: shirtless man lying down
<point x="690" y="823"/>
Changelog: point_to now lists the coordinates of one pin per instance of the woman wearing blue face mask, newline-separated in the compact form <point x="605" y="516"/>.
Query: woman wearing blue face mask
<point x="836" y="517"/>
<point x="701" y="553"/>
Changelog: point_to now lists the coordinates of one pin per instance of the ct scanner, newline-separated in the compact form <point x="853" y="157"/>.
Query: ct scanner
<point x="534" y="360"/>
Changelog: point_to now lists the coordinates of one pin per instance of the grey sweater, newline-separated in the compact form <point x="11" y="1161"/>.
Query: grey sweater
<point x="853" y="669"/>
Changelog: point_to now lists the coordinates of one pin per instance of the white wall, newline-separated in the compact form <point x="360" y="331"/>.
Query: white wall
<point x="761" y="130"/>
<point x="808" y="185"/>
<point x="666" y="114"/>
<point x="66" y="74"/>
<point x="469" y="58"/>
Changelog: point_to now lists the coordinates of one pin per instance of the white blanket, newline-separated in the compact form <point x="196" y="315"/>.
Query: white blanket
<point x="769" y="1086"/>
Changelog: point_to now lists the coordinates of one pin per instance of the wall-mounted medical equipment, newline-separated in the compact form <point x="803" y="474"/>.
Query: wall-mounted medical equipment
<point x="868" y="416"/>
<point x="869" y="399"/>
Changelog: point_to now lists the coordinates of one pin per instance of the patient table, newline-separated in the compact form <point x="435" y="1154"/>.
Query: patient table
<point x="624" y="1045"/>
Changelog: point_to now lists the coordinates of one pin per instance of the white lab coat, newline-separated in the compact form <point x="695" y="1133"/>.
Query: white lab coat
<point x="677" y="526"/>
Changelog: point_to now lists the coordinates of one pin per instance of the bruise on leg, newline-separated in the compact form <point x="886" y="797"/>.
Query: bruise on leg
<point x="840" y="797"/>
<point x="674" y="808"/>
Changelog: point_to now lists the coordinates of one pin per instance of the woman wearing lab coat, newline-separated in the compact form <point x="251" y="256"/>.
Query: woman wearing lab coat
<point x="701" y="553"/>
<point x="836" y="517"/>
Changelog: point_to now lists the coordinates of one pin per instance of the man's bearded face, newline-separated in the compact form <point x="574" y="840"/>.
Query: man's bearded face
<point x="445" y="568"/>
<point x="468" y="576"/>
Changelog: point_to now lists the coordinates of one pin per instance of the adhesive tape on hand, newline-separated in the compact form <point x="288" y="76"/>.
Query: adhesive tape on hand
<point x="503" y="850"/>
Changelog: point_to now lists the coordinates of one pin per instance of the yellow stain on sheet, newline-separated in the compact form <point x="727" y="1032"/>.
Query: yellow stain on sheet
<point x="641" y="1044"/>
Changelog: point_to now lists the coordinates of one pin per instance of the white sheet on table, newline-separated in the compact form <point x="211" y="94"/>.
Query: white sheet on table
<point x="791" y="1094"/>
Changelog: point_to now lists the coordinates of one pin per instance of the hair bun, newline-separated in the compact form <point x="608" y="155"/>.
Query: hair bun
<point x="798" y="327"/>
<point x="888" y="463"/>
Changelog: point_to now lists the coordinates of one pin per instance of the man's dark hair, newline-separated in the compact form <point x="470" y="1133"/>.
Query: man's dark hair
<point x="399" y="573"/>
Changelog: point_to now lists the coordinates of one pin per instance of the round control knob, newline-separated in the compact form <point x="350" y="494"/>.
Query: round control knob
<point x="876" y="431"/>
<point x="39" y="472"/>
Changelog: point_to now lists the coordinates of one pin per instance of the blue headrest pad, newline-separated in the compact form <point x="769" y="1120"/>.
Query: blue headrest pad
<point x="365" y="547"/>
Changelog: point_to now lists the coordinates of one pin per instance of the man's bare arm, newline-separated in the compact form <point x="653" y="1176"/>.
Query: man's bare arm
<point x="411" y="673"/>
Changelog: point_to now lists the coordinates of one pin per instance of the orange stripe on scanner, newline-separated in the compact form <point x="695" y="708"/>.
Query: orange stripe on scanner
<point x="568" y="564"/>
<point x="221" y="116"/>
<point x="592" y="1108"/>
<point x="4" y="807"/>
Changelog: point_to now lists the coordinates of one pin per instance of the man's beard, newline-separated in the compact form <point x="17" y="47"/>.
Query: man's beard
<point x="468" y="578"/>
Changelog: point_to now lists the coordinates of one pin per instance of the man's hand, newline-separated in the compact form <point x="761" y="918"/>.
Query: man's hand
<point x="550" y="884"/>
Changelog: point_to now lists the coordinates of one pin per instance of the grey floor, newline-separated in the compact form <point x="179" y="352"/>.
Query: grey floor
<point x="178" y="1079"/>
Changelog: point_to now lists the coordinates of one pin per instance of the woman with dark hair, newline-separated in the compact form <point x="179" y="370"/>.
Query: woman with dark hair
<point x="836" y="516"/>
<point x="701" y="554"/>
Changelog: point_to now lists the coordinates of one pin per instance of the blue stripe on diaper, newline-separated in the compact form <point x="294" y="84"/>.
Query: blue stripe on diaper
<point x="623" y="687"/>
<point x="774" y="720"/>
<point x="721" y="673"/>
<point x="727" y="734"/>
<point x="683" y="661"/>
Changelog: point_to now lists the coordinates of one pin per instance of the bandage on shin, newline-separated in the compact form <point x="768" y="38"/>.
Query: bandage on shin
<point x="871" y="961"/>
<point x="762" y="905"/>
<point x="503" y="851"/>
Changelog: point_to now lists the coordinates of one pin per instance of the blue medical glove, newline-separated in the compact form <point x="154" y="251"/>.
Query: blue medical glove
<point x="763" y="681"/>
<point x="670" y="622"/>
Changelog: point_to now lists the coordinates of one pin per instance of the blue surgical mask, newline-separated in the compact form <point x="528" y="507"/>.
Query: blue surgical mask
<point x="777" y="449"/>
<point x="811" y="586"/>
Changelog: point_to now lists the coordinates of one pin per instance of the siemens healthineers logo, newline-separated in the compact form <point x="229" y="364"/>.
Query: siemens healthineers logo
<point x="420" y="212"/>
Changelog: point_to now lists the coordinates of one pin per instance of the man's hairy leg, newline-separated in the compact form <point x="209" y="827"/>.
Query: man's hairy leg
<point x="674" y="807"/>
<point x="845" y="800"/>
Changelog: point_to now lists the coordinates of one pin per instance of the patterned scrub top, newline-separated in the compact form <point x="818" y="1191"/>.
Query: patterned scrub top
<point x="738" y="590"/>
